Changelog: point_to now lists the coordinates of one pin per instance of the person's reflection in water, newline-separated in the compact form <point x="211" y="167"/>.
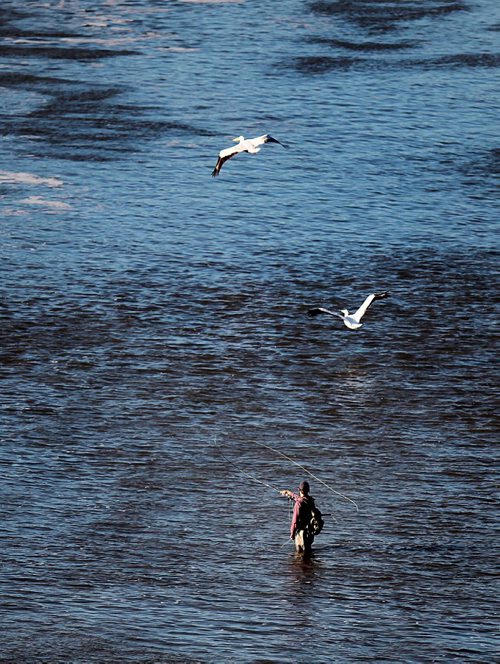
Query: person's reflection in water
<point x="305" y="576"/>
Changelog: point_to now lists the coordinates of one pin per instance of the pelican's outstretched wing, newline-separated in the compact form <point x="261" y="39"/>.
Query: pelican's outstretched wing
<point x="320" y="310"/>
<point x="266" y="138"/>
<point x="269" y="139"/>
<point x="224" y="155"/>
<point x="358" y="315"/>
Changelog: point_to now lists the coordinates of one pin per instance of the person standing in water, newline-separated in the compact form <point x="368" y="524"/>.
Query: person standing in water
<point x="306" y="520"/>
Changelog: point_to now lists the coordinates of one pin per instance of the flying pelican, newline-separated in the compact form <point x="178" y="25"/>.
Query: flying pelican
<point x="250" y="145"/>
<point x="350" y="320"/>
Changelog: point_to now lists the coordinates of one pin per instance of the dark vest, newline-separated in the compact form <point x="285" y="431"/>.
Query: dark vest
<point x="305" y="511"/>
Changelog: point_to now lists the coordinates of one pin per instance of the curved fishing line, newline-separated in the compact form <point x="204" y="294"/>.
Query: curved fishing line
<point x="285" y="456"/>
<point x="244" y="472"/>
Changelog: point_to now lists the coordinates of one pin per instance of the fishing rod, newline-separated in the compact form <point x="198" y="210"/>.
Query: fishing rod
<point x="285" y="456"/>
<point x="244" y="472"/>
<point x="273" y="488"/>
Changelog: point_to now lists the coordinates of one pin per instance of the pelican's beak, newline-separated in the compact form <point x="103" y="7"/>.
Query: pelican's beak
<point x="237" y="139"/>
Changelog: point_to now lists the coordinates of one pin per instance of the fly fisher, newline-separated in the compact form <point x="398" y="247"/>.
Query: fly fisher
<point x="307" y="520"/>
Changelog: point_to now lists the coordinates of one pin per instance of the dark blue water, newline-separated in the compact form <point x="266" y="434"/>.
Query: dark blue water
<point x="154" y="331"/>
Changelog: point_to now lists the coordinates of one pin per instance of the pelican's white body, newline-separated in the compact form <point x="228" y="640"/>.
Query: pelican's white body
<point x="244" y="145"/>
<point x="352" y="321"/>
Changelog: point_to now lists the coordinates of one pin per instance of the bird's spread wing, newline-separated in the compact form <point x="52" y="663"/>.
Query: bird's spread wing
<point x="231" y="151"/>
<point x="260" y="140"/>
<point x="269" y="139"/>
<point x="320" y="310"/>
<point x="224" y="155"/>
<point x="358" y="315"/>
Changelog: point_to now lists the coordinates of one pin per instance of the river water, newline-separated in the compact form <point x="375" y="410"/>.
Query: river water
<point x="155" y="337"/>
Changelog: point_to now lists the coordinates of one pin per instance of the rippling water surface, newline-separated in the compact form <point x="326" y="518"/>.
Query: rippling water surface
<point x="154" y="330"/>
